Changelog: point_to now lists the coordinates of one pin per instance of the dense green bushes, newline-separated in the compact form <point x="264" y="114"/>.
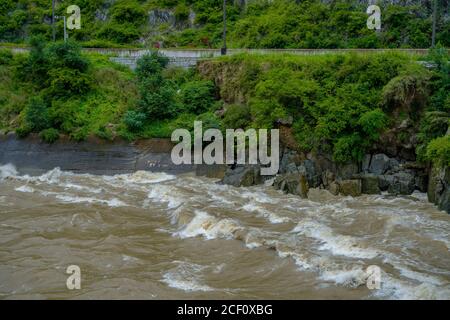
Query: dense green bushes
<point x="434" y="124"/>
<point x="169" y="98"/>
<point x="56" y="88"/>
<point x="49" y="135"/>
<point x="260" y="24"/>
<point x="338" y="104"/>
<point x="438" y="150"/>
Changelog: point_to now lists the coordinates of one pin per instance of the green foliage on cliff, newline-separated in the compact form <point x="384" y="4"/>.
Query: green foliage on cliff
<point x="57" y="87"/>
<point x="260" y="24"/>
<point x="339" y="104"/>
<point x="438" y="150"/>
<point x="434" y="125"/>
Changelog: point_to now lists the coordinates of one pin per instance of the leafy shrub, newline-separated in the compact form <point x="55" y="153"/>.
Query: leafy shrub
<point x="68" y="82"/>
<point x="181" y="12"/>
<point x="36" y="115"/>
<point x="23" y="131"/>
<point x="66" y="55"/>
<point x="36" y="67"/>
<point x="434" y="124"/>
<point x="209" y="121"/>
<point x="349" y="147"/>
<point x="150" y="65"/>
<point x="128" y="11"/>
<point x="5" y="56"/>
<point x="372" y="122"/>
<point x="197" y="96"/>
<point x="104" y="133"/>
<point x="408" y="89"/>
<point x="237" y="116"/>
<point x="159" y="103"/>
<point x="438" y="150"/>
<point x="49" y="135"/>
<point x="335" y="102"/>
<point x="134" y="120"/>
<point x="120" y="33"/>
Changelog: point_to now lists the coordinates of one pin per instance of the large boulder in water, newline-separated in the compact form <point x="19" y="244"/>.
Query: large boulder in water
<point x="216" y="171"/>
<point x="243" y="176"/>
<point x="350" y="187"/>
<point x="381" y="163"/>
<point x="403" y="183"/>
<point x="369" y="184"/>
<point x="294" y="183"/>
<point x="439" y="187"/>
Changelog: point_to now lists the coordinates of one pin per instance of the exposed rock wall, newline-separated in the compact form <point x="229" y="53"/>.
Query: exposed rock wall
<point x="95" y="156"/>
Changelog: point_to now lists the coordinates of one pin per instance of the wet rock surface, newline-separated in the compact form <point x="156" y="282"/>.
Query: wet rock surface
<point x="242" y="176"/>
<point x="375" y="174"/>
<point x="94" y="156"/>
<point x="439" y="187"/>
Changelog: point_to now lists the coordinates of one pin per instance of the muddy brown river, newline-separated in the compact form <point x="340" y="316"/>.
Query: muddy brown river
<point x="158" y="236"/>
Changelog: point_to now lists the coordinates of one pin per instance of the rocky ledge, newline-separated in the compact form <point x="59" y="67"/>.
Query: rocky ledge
<point x="377" y="173"/>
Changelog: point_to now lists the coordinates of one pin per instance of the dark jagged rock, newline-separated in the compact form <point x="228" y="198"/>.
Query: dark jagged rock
<point x="402" y="183"/>
<point x="439" y="187"/>
<point x="381" y="163"/>
<point x="369" y="184"/>
<point x="350" y="187"/>
<point x="294" y="183"/>
<point x="242" y="176"/>
<point x="347" y="171"/>
<point x="216" y="171"/>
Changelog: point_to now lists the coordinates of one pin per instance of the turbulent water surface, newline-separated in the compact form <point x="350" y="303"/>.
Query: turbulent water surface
<point x="157" y="236"/>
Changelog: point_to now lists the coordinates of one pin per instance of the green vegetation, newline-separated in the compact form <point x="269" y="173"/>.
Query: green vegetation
<point x="259" y="24"/>
<point x="49" y="135"/>
<point x="434" y="146"/>
<point x="57" y="87"/>
<point x="167" y="100"/>
<point x="340" y="104"/>
<point x="438" y="150"/>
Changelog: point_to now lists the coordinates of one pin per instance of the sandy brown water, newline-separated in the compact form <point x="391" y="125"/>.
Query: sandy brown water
<point x="158" y="236"/>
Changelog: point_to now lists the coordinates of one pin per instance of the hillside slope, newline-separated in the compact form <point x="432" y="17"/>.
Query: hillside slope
<point x="251" y="24"/>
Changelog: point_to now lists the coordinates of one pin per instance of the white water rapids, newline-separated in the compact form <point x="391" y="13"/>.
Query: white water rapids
<point x="158" y="236"/>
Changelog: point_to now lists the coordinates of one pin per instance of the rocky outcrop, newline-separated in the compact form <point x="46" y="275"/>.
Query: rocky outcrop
<point x="439" y="187"/>
<point x="294" y="183"/>
<point x="94" y="156"/>
<point x="242" y="176"/>
<point x="215" y="171"/>
<point x="350" y="187"/>
<point x="369" y="184"/>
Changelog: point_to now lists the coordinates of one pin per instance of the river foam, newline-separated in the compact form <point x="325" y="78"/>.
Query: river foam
<point x="333" y="238"/>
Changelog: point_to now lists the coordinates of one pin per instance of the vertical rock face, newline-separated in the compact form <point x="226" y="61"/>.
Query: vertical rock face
<point x="439" y="187"/>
